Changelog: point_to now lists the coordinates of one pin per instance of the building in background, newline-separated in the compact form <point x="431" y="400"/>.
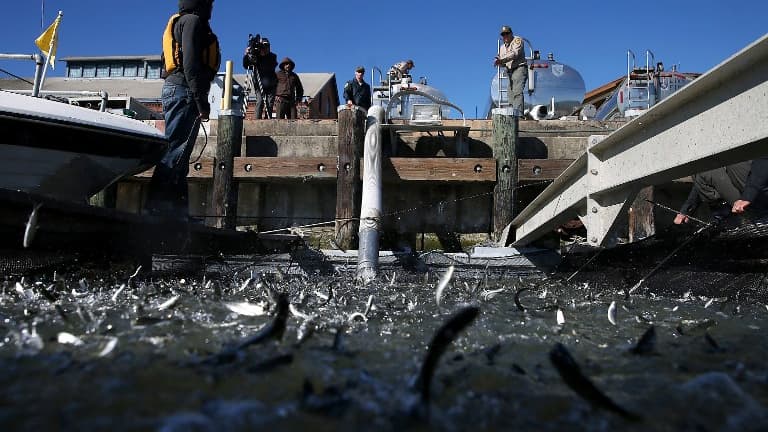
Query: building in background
<point x="133" y="86"/>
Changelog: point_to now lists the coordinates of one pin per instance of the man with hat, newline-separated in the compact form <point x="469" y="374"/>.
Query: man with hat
<point x="512" y="56"/>
<point x="289" y="90"/>
<point x="263" y="62"/>
<point x="357" y="91"/>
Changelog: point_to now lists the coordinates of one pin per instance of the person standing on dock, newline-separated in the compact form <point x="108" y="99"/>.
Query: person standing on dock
<point x="511" y="55"/>
<point x="188" y="79"/>
<point x="259" y="56"/>
<point x="357" y="91"/>
<point x="289" y="90"/>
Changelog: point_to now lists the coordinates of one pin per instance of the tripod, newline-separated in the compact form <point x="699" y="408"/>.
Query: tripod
<point x="255" y="73"/>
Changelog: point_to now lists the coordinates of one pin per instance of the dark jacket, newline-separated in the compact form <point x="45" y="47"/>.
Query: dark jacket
<point x="757" y="182"/>
<point x="265" y="65"/>
<point x="358" y="93"/>
<point x="288" y="83"/>
<point x="193" y="30"/>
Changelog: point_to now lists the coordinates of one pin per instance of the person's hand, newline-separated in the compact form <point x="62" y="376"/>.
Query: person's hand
<point x="680" y="219"/>
<point x="349" y="104"/>
<point x="740" y="205"/>
<point x="248" y="50"/>
<point x="496" y="61"/>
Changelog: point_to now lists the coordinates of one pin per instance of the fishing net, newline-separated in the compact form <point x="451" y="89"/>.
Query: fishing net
<point x="728" y="259"/>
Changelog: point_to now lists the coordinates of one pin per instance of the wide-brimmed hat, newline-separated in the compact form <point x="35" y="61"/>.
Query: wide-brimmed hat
<point x="286" y="61"/>
<point x="505" y="29"/>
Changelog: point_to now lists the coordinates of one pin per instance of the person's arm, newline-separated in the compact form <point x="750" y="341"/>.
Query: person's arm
<point x="515" y="51"/>
<point x="299" y="89"/>
<point x="193" y="34"/>
<point x="757" y="183"/>
<point x="689" y="206"/>
<point x="348" y="93"/>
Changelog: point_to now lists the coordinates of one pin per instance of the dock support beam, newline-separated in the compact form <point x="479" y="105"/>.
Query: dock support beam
<point x="505" y="127"/>
<point x="370" y="208"/>
<point x="351" y="136"/>
<point x="230" y="139"/>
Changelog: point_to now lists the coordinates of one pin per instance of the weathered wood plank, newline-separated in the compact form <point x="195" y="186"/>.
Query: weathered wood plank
<point x="541" y="169"/>
<point x="438" y="169"/>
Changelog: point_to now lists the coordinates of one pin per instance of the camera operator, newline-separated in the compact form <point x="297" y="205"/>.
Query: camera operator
<point x="259" y="57"/>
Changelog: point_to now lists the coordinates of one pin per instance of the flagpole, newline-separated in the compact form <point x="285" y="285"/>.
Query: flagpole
<point x="50" y="48"/>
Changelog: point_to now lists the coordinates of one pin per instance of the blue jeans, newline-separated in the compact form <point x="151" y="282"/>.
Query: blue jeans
<point x="168" y="191"/>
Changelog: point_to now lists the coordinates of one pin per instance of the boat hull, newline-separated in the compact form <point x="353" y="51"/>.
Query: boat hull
<point x="68" y="152"/>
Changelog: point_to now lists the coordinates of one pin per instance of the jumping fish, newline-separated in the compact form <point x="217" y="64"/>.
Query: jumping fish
<point x="168" y="304"/>
<point x="246" y="308"/>
<point x="444" y="280"/>
<point x="275" y="329"/>
<point x="570" y="372"/>
<point x="646" y="344"/>
<point x="612" y="313"/>
<point x="517" y="299"/>
<point x="108" y="347"/>
<point x="69" y="339"/>
<point x="440" y="341"/>
<point x="31" y="228"/>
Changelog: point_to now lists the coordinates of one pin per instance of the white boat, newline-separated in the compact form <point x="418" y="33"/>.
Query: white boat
<point x="69" y="152"/>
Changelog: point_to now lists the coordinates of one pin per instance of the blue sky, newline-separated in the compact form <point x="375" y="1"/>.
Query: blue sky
<point x="451" y="43"/>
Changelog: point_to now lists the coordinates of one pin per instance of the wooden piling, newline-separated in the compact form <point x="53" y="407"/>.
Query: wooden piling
<point x="224" y="197"/>
<point x="505" y="127"/>
<point x="641" y="216"/>
<point x="350" y="143"/>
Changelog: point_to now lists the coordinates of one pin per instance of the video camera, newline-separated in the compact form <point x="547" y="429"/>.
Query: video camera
<point x="256" y="42"/>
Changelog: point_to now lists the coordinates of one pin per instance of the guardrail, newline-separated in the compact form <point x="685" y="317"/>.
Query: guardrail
<point x="718" y="119"/>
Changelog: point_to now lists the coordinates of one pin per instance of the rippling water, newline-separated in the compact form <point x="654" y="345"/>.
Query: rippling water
<point x="92" y="350"/>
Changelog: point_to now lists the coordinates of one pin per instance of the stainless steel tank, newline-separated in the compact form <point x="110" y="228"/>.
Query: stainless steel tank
<point x="551" y="79"/>
<point x="403" y="110"/>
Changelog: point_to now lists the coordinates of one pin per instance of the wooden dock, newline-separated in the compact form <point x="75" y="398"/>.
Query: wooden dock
<point x="435" y="181"/>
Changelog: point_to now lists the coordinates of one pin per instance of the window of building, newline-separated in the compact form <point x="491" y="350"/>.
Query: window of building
<point x="131" y="70"/>
<point x="102" y="70"/>
<point x="89" y="71"/>
<point x="75" y="71"/>
<point x="153" y="70"/>
<point x="116" y="70"/>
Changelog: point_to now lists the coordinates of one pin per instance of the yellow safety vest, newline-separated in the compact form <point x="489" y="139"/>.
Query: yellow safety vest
<point x="172" y="55"/>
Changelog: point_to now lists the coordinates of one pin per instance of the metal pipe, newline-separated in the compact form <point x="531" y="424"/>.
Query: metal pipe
<point x="38" y="75"/>
<point x="370" y="207"/>
<point x="104" y="99"/>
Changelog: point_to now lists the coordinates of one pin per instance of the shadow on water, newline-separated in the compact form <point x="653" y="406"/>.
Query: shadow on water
<point x="110" y="348"/>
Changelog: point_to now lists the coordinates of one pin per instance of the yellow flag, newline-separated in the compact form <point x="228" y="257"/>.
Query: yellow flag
<point x="48" y="40"/>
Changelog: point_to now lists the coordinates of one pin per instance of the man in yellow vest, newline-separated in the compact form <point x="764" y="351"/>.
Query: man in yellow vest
<point x="191" y="59"/>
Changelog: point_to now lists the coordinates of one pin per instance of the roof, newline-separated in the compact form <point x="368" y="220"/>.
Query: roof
<point x="141" y="88"/>
<point x="152" y="57"/>
<point x="313" y="82"/>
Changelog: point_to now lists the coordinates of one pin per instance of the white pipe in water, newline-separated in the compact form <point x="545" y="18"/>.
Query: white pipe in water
<point x="370" y="207"/>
